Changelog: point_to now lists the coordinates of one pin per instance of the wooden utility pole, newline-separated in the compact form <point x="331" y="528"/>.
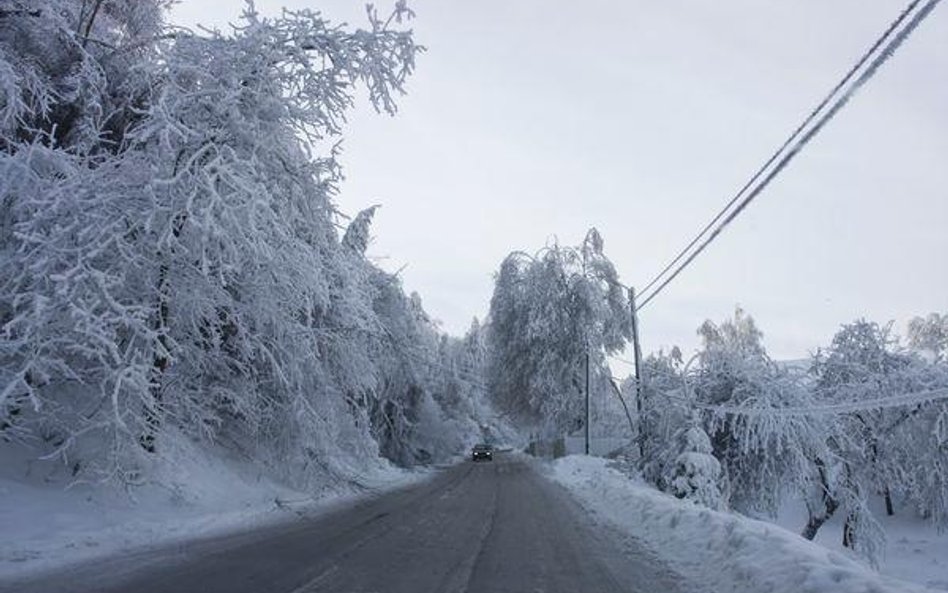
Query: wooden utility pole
<point x="637" y="353"/>
<point x="587" y="399"/>
<point x="586" y="423"/>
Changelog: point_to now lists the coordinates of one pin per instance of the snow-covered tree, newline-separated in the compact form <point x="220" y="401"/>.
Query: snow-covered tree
<point x="734" y="370"/>
<point x="930" y="335"/>
<point x="862" y="363"/>
<point x="169" y="259"/>
<point x="890" y="451"/>
<point x="867" y="419"/>
<point x="548" y="312"/>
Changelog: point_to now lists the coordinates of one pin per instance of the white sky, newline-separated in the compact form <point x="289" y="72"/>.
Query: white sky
<point x="533" y="118"/>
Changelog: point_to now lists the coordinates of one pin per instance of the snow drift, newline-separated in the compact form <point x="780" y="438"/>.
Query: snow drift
<point x="716" y="551"/>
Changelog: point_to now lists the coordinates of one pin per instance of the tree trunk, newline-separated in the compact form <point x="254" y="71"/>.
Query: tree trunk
<point x="849" y="532"/>
<point x="830" y="504"/>
<point x="849" y="527"/>
<point x="814" y="524"/>
<point x="153" y="409"/>
<point x="89" y="23"/>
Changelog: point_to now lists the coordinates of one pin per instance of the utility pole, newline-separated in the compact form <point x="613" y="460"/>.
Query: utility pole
<point x="587" y="399"/>
<point x="586" y="423"/>
<point x="637" y="353"/>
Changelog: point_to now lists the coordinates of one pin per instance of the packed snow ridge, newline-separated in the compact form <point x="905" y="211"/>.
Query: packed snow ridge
<point x="716" y="551"/>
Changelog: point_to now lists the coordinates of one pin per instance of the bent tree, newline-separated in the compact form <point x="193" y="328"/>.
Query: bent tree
<point x="547" y="313"/>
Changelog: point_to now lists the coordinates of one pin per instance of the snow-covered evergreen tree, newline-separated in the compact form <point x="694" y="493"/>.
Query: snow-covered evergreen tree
<point x="695" y="473"/>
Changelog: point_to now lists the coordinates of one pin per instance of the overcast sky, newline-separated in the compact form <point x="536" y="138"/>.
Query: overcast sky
<point x="529" y="119"/>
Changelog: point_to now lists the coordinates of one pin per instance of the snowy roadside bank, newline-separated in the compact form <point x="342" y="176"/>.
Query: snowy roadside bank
<point x="48" y="526"/>
<point x="718" y="552"/>
<point x="915" y="550"/>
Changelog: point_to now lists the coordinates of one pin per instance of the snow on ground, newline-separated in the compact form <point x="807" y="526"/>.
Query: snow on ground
<point x="717" y="552"/>
<point x="48" y="523"/>
<point x="915" y="550"/>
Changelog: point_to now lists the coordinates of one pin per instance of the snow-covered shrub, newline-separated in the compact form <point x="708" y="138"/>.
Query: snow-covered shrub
<point x="695" y="474"/>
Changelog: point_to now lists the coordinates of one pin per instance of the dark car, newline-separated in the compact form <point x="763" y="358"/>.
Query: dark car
<point x="482" y="453"/>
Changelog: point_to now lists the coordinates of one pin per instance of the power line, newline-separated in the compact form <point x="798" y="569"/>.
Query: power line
<point x="892" y="401"/>
<point x="796" y="141"/>
<point x="784" y="146"/>
<point x="838" y="408"/>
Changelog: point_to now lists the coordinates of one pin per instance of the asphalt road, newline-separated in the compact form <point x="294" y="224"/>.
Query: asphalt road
<point x="487" y="527"/>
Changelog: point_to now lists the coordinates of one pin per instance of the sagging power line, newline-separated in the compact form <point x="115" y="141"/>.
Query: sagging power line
<point x="900" y="400"/>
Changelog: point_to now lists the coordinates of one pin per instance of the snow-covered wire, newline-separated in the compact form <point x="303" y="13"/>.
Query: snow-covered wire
<point x="852" y="407"/>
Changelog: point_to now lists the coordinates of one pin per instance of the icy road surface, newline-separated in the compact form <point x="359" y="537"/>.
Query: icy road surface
<point x="489" y="527"/>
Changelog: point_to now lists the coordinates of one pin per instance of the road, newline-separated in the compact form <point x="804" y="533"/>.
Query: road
<point x="490" y="527"/>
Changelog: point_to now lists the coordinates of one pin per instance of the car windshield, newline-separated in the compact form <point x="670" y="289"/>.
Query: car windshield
<point x="482" y="447"/>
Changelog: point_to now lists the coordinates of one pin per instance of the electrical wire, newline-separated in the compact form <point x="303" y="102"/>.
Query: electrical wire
<point x="795" y="140"/>
<point x="838" y="408"/>
<point x="892" y="401"/>
<point x="786" y="143"/>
